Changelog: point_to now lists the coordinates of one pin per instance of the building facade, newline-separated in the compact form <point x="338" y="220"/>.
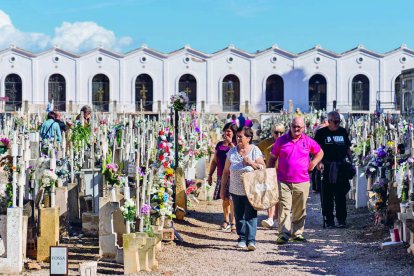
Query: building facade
<point x="229" y="80"/>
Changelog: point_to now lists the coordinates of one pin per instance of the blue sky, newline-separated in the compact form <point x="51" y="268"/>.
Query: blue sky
<point x="207" y="25"/>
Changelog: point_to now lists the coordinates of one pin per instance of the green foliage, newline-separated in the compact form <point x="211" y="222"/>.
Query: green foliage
<point x="80" y="134"/>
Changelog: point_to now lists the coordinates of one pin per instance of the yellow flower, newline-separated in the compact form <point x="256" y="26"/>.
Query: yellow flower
<point x="169" y="171"/>
<point x="390" y="144"/>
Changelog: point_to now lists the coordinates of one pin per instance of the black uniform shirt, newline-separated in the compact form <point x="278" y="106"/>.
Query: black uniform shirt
<point x="334" y="144"/>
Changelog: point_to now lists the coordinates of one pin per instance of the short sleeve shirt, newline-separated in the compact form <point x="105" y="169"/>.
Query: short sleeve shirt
<point x="221" y="151"/>
<point x="293" y="157"/>
<point x="237" y="168"/>
<point x="335" y="144"/>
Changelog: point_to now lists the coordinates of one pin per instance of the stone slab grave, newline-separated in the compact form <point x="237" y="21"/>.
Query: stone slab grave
<point x="92" y="179"/>
<point x="361" y="186"/>
<point x="88" y="269"/>
<point x="407" y="220"/>
<point x="73" y="204"/>
<point x="111" y="228"/>
<point x="139" y="252"/>
<point x="62" y="204"/>
<point x="12" y="261"/>
<point x="49" y="232"/>
<point x="180" y="196"/>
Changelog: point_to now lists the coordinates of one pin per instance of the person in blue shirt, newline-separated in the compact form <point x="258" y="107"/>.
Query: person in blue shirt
<point x="50" y="128"/>
<point x="241" y="120"/>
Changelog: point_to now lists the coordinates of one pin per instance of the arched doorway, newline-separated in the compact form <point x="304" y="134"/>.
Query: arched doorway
<point x="274" y="93"/>
<point x="317" y="92"/>
<point x="360" y="93"/>
<point x="13" y="91"/>
<point x="398" y="92"/>
<point x="57" y="92"/>
<point x="188" y="84"/>
<point x="231" y="93"/>
<point x="100" y="93"/>
<point x="144" y="92"/>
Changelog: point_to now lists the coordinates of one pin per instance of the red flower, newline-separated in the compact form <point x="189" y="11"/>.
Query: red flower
<point x="161" y="132"/>
<point x="161" y="157"/>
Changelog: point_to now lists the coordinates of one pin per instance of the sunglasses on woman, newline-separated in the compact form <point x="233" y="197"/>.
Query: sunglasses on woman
<point x="278" y="132"/>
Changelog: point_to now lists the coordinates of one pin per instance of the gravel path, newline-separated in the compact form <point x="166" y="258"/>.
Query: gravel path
<point x="208" y="251"/>
<point x="351" y="251"/>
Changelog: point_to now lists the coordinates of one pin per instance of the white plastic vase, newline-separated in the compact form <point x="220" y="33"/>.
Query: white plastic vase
<point x="112" y="193"/>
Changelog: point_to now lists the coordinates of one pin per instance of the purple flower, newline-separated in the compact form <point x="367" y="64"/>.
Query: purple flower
<point x="197" y="129"/>
<point x="146" y="209"/>
<point x="381" y="153"/>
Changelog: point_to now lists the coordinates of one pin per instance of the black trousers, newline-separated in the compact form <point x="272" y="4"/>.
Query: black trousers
<point x="316" y="180"/>
<point x="334" y="193"/>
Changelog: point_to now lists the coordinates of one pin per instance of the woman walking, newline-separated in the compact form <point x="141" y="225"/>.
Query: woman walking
<point x="243" y="158"/>
<point x="218" y="162"/>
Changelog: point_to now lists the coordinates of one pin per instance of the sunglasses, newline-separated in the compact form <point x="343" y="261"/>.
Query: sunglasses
<point x="278" y="132"/>
<point x="296" y="126"/>
<point x="336" y="122"/>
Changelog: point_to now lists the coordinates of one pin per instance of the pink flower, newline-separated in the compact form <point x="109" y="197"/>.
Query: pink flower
<point x="112" y="167"/>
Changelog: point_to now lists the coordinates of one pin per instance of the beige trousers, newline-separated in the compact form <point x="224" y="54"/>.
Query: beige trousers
<point x="292" y="198"/>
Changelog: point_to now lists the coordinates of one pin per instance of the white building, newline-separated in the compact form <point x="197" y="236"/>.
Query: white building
<point x="228" y="80"/>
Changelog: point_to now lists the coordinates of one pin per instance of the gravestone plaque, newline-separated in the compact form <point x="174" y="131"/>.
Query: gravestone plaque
<point x="58" y="260"/>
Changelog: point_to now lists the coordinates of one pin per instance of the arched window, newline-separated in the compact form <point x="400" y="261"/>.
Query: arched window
<point x="317" y="92"/>
<point x="144" y="92"/>
<point x="100" y="93"/>
<point x="13" y="90"/>
<point x="274" y="93"/>
<point x="188" y="84"/>
<point x="231" y="93"/>
<point x="57" y="92"/>
<point x="398" y="92"/>
<point x="360" y="93"/>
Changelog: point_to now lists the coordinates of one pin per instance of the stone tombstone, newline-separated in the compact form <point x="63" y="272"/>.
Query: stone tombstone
<point x="361" y="195"/>
<point x="108" y="246"/>
<point x="73" y="204"/>
<point x="13" y="262"/>
<point x="201" y="168"/>
<point x="88" y="269"/>
<point x="92" y="179"/>
<point x="3" y="235"/>
<point x="180" y="196"/>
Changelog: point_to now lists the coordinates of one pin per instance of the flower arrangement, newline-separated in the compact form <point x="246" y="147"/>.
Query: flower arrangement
<point x="129" y="210"/>
<point x="161" y="193"/>
<point x="111" y="173"/>
<point x="179" y="101"/>
<point x="48" y="180"/>
<point x="146" y="212"/>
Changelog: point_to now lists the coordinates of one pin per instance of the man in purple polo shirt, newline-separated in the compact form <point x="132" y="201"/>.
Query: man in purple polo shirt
<point x="293" y="150"/>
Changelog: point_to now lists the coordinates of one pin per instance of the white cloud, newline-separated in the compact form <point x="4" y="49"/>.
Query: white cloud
<point x="10" y="35"/>
<point x="76" y="37"/>
<point x="83" y="36"/>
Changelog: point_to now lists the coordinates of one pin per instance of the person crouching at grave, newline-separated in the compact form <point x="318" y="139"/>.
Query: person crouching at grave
<point x="243" y="158"/>
<point x="266" y="147"/>
<point x="218" y="162"/>
<point x="87" y="114"/>
<point x="50" y="128"/>
<point x="334" y="141"/>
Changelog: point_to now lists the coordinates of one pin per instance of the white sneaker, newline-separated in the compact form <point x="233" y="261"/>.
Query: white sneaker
<point x="267" y="223"/>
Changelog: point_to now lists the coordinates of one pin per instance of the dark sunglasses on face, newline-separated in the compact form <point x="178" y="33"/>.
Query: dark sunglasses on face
<point x="336" y="122"/>
<point x="278" y="132"/>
